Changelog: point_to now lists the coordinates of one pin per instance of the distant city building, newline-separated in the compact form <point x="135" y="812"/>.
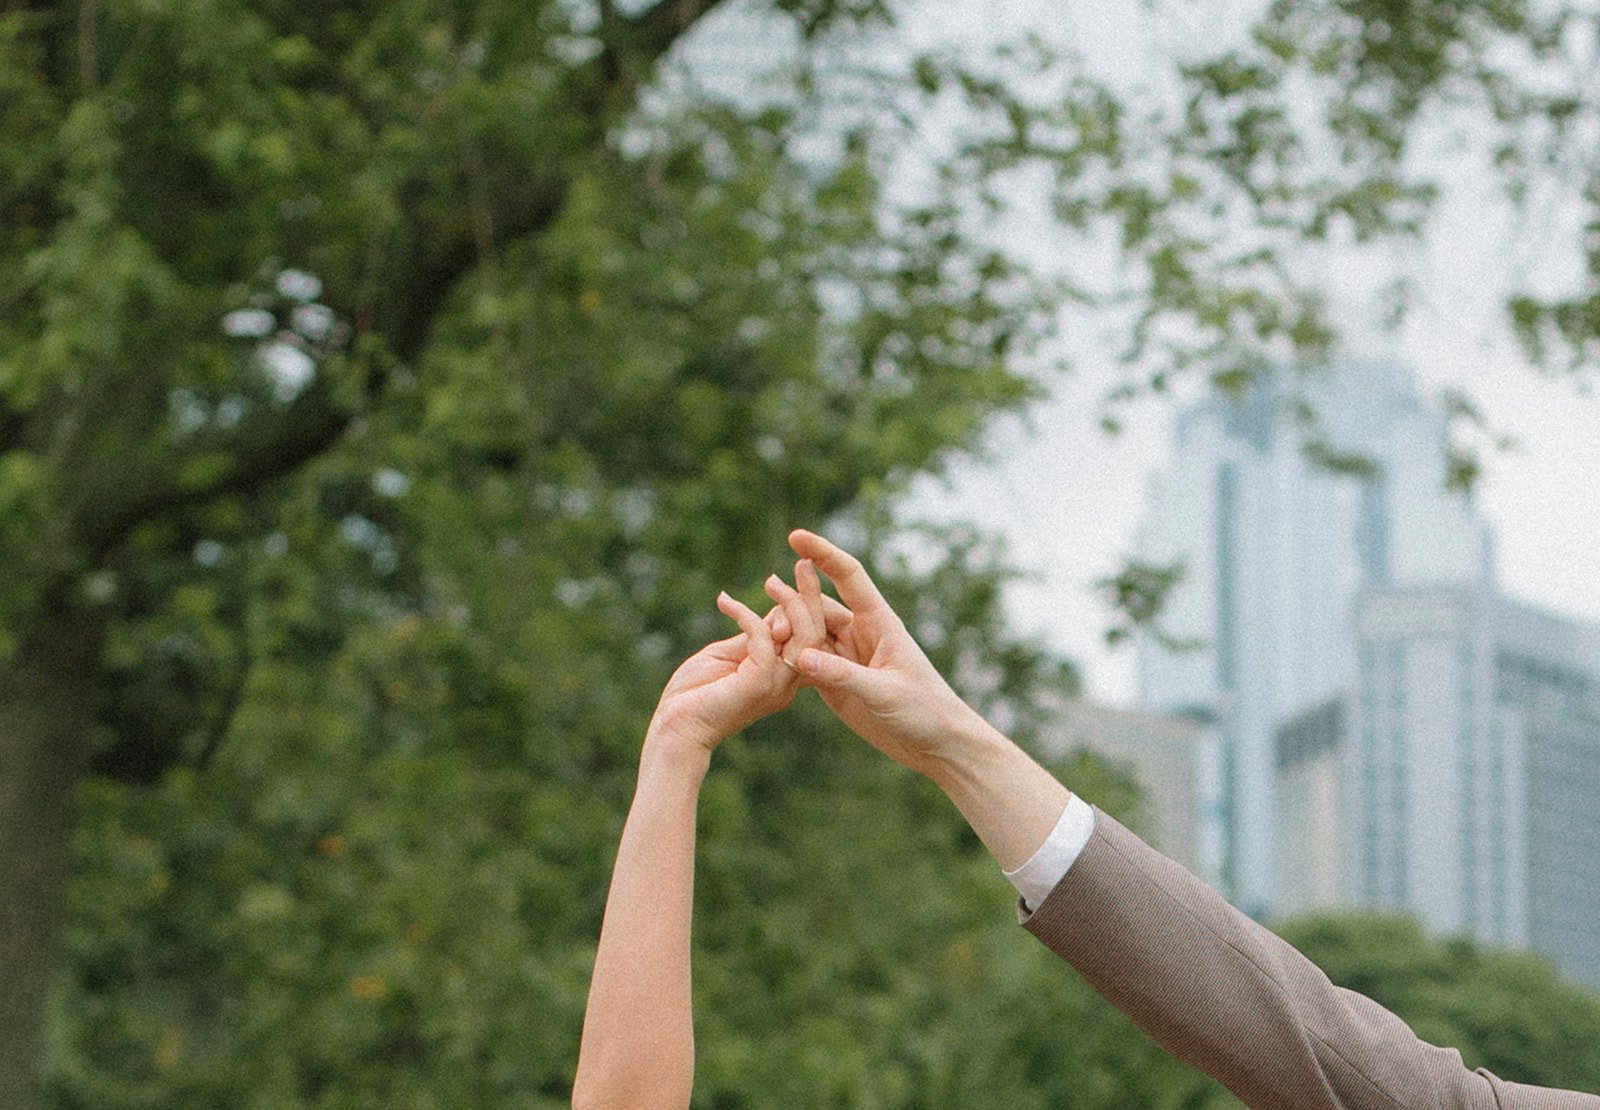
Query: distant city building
<point x="1474" y="770"/>
<point x="1392" y="731"/>
<point x="1458" y="780"/>
<point x="1176" y="761"/>
<point x="1275" y="549"/>
<point x="1310" y="754"/>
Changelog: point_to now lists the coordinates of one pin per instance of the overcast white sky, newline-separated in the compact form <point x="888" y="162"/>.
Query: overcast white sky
<point x="1067" y="499"/>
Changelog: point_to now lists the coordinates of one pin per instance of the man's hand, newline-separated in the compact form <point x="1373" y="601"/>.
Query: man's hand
<point x="874" y="676"/>
<point x="863" y="661"/>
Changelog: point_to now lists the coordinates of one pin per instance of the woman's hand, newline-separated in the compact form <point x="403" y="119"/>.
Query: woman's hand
<point x="727" y="685"/>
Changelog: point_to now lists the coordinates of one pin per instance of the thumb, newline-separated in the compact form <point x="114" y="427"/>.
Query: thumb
<point x="834" y="672"/>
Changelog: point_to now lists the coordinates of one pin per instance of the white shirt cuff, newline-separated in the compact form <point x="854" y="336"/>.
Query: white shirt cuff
<point x="1035" y="879"/>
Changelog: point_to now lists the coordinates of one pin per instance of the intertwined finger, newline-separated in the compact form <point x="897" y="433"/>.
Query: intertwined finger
<point x="809" y="587"/>
<point x="835" y="618"/>
<point x="807" y="627"/>
<point x="760" y="636"/>
<point x="855" y="585"/>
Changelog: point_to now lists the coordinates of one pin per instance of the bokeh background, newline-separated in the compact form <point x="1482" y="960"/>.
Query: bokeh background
<point x="387" y="389"/>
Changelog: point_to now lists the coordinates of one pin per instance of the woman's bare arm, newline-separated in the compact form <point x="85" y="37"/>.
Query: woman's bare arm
<point x="638" y="1040"/>
<point x="638" y="1036"/>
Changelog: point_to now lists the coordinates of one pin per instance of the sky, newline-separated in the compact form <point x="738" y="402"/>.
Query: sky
<point x="1067" y="499"/>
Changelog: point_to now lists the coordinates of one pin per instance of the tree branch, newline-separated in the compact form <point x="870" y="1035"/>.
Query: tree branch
<point x="273" y="444"/>
<point x="422" y="280"/>
<point x="12" y="424"/>
<point x="607" y="84"/>
<point x="630" y="49"/>
<point x="655" y="30"/>
<point x="88" y="64"/>
<point x="260" y="450"/>
<point x="232" y="699"/>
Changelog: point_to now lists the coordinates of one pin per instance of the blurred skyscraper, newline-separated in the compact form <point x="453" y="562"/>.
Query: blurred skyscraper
<point x="1276" y="549"/>
<point x="1394" y="732"/>
<point x="1463" y="789"/>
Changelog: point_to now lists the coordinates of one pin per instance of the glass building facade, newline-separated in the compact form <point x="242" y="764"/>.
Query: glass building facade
<point x="1472" y="785"/>
<point x="1393" y="731"/>
<point x="1275" y="550"/>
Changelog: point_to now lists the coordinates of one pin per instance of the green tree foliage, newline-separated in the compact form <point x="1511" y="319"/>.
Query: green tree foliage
<point x="385" y="392"/>
<point x="1338" y="124"/>
<point x="386" y="887"/>
<point x="382" y="402"/>
<point x="1506" y="1011"/>
<point x="383" y="399"/>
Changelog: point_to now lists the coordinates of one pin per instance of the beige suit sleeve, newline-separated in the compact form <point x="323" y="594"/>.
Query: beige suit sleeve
<point x="1227" y="996"/>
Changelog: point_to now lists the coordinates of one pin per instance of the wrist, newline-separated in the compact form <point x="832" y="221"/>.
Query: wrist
<point x="965" y="739"/>
<point x="673" y="753"/>
<point x="1010" y="801"/>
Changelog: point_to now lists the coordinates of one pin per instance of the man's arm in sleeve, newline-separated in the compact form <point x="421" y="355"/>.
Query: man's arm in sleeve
<point x="1212" y="987"/>
<point x="1227" y="996"/>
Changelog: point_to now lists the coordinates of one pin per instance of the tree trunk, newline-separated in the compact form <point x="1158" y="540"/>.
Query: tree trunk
<point x="47" y="702"/>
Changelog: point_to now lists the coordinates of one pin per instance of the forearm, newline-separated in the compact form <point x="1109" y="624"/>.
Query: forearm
<point x="1010" y="801"/>
<point x="638" y="1037"/>
<point x="1225" y="995"/>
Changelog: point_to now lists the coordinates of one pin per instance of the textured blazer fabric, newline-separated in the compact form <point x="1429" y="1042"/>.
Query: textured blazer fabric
<point x="1227" y="996"/>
